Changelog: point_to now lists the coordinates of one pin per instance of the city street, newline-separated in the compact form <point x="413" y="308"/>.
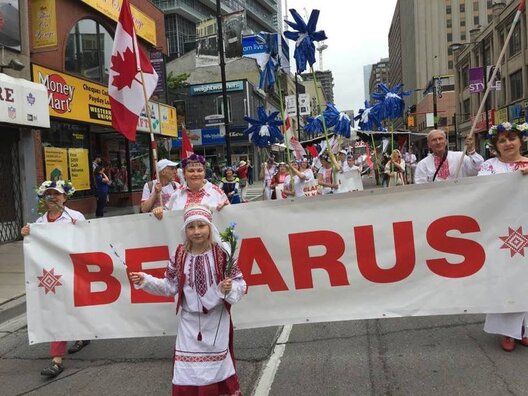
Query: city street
<point x="445" y="355"/>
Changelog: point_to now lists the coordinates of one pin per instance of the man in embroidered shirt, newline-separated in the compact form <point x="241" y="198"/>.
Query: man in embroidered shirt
<point x="442" y="164"/>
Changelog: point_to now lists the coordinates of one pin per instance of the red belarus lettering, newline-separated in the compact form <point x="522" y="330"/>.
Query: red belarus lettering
<point x="134" y="259"/>
<point x="473" y="253"/>
<point x="253" y="250"/>
<point x="404" y="249"/>
<point x="83" y="278"/>
<point x="303" y="264"/>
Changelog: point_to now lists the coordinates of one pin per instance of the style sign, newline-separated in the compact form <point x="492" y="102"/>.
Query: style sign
<point x="476" y="80"/>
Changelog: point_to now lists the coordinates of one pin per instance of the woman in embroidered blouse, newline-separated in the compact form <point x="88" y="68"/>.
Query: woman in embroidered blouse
<point x="205" y="292"/>
<point x="507" y="141"/>
<point x="53" y="195"/>
<point x="278" y="178"/>
<point x="197" y="191"/>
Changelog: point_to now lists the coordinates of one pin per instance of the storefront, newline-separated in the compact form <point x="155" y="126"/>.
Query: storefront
<point x="81" y="131"/>
<point x="23" y="107"/>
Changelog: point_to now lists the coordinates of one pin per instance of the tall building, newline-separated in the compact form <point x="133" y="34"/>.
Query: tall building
<point x="378" y="74"/>
<point x="326" y="79"/>
<point x="421" y="35"/>
<point x="182" y="17"/>
<point x="367" y="69"/>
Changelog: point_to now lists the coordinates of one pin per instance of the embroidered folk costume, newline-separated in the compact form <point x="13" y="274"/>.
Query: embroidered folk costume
<point x="203" y="356"/>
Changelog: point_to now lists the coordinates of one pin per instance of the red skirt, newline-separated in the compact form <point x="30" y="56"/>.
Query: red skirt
<point x="227" y="387"/>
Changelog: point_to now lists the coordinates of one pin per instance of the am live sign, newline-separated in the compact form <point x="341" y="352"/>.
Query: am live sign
<point x="23" y="102"/>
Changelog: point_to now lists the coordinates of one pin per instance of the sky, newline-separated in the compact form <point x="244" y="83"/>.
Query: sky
<point x="357" y="34"/>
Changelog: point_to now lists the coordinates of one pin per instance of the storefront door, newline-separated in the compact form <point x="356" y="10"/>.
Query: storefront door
<point x="10" y="193"/>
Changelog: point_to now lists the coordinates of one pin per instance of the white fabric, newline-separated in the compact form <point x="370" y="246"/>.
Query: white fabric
<point x="508" y="324"/>
<point x="327" y="176"/>
<point x="426" y="168"/>
<point x="268" y="175"/>
<point x="188" y="369"/>
<point x="213" y="196"/>
<point x="66" y="216"/>
<point x="166" y="192"/>
<point x="298" y="268"/>
<point x="298" y="185"/>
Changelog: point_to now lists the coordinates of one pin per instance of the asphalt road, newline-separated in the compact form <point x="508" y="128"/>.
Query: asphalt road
<point x="444" y="355"/>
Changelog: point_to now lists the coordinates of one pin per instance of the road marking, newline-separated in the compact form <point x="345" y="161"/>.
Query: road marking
<point x="268" y="375"/>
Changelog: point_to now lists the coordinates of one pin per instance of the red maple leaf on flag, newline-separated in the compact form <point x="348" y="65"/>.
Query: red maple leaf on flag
<point x="123" y="64"/>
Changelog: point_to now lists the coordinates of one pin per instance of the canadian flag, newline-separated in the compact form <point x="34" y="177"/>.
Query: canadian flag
<point x="289" y="139"/>
<point x="186" y="148"/>
<point x="125" y="85"/>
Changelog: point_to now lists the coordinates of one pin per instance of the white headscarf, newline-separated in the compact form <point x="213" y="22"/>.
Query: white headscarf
<point x="204" y="214"/>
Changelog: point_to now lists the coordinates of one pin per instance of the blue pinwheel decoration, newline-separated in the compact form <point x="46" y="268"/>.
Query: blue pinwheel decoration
<point x="337" y="120"/>
<point x="368" y="117"/>
<point x="304" y="35"/>
<point x="269" y="69"/>
<point x="264" y="130"/>
<point x="314" y="125"/>
<point x="391" y="101"/>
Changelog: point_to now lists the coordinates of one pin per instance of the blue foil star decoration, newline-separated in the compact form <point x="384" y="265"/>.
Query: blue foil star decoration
<point x="264" y="130"/>
<point x="313" y="125"/>
<point x="368" y="118"/>
<point x="391" y="101"/>
<point x="337" y="120"/>
<point x="269" y="71"/>
<point x="304" y="35"/>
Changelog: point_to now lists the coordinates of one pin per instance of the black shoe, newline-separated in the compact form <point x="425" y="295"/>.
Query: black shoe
<point x="52" y="370"/>
<point x="78" y="346"/>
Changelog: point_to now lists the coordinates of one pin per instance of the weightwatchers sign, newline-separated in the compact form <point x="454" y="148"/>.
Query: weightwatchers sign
<point x="437" y="249"/>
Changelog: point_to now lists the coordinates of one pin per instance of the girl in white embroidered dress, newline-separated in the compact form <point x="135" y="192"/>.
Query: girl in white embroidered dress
<point x="203" y="359"/>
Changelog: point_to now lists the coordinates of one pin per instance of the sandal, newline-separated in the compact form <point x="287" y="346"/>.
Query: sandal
<point x="52" y="370"/>
<point x="78" y="346"/>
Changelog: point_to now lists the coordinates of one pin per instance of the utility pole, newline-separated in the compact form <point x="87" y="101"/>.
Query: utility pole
<point x="223" y="76"/>
<point x="435" y="106"/>
<point x="297" y="104"/>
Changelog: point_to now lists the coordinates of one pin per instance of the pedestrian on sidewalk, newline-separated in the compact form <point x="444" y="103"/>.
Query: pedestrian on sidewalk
<point x="231" y="186"/>
<point x="507" y="141"/>
<point x="52" y="198"/>
<point x="102" y="184"/>
<point x="242" y="173"/>
<point x="250" y="172"/>
<point x="206" y="287"/>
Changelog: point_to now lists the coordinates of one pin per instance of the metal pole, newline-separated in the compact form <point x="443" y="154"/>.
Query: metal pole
<point x="223" y="76"/>
<point x="435" y="109"/>
<point x="297" y="103"/>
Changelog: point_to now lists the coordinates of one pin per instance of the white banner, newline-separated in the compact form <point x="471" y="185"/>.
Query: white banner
<point x="447" y="248"/>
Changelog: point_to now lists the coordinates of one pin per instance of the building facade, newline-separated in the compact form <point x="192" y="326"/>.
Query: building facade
<point x="379" y="74"/>
<point x="182" y="18"/>
<point x="508" y="98"/>
<point x="326" y="79"/>
<point x="422" y="34"/>
<point x="71" y="59"/>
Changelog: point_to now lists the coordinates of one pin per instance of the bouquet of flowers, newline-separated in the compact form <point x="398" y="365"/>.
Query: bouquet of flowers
<point x="231" y="238"/>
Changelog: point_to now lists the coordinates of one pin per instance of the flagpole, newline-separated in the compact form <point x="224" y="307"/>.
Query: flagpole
<point x="152" y="141"/>
<point x="516" y="19"/>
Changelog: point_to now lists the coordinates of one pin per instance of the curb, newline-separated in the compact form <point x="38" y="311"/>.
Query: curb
<point x="12" y="308"/>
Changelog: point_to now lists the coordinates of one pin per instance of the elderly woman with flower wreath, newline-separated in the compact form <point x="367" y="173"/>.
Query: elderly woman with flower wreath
<point x="507" y="140"/>
<point x="52" y="197"/>
<point x="197" y="191"/>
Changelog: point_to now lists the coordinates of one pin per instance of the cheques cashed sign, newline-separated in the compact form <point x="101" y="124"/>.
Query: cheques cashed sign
<point x="446" y="248"/>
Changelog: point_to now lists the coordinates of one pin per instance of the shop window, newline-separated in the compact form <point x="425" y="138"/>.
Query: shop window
<point x="140" y="161"/>
<point x="114" y="156"/>
<point x="220" y="106"/>
<point x="88" y="51"/>
<point x="515" y="42"/>
<point x="466" y="109"/>
<point x="516" y="87"/>
<point x="66" y="155"/>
